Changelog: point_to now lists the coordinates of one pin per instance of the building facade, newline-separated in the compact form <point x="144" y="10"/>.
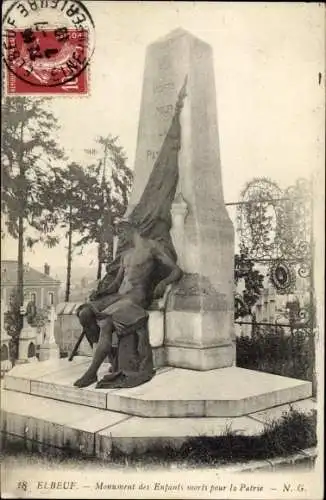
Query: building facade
<point x="39" y="287"/>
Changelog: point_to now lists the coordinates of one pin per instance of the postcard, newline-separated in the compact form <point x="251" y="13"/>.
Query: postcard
<point x="162" y="249"/>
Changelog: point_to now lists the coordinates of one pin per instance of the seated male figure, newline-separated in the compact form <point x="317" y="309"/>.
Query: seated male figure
<point x="122" y="306"/>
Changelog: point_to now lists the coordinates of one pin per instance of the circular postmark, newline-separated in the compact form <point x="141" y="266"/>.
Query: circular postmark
<point x="47" y="42"/>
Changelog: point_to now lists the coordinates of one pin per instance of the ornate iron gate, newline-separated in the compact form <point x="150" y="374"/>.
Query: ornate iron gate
<point x="275" y="233"/>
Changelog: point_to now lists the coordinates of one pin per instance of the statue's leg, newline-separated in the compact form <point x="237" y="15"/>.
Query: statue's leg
<point x="144" y="349"/>
<point x="104" y="349"/>
<point x="88" y="321"/>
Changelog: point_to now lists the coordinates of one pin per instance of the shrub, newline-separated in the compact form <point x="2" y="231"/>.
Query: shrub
<point x="274" y="352"/>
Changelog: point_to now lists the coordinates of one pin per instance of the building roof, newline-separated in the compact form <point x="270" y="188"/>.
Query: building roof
<point x="31" y="276"/>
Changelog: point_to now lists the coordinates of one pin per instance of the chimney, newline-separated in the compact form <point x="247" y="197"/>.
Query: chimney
<point x="47" y="269"/>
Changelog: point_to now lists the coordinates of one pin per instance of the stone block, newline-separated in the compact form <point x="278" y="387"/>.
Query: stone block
<point x="137" y="435"/>
<point x="55" y="423"/>
<point x="154" y="408"/>
<point x="156" y="328"/>
<point x="173" y="392"/>
<point x="266" y="416"/>
<point x="197" y="328"/>
<point x="5" y="366"/>
<point x="49" y="351"/>
<point x="72" y="394"/>
<point x="19" y="377"/>
<point x="18" y="384"/>
<point x="199" y="358"/>
<point x="159" y="357"/>
<point x="224" y="392"/>
<point x="13" y="423"/>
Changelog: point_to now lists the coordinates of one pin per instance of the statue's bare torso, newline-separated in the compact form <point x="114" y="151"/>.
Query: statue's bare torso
<point x="137" y="267"/>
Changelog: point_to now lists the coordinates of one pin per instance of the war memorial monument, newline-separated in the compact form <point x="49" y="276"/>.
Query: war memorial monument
<point x="175" y="372"/>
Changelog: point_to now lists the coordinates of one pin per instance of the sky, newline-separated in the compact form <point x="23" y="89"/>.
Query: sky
<point x="270" y="103"/>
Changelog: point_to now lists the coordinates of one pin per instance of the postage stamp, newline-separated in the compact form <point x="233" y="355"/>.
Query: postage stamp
<point x="47" y="47"/>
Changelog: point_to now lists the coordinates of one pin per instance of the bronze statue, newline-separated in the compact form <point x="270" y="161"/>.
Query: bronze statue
<point x="123" y="306"/>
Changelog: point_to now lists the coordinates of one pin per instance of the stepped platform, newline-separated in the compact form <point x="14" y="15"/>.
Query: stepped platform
<point x="40" y="405"/>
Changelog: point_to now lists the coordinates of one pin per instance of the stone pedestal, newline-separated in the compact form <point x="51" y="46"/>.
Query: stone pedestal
<point x="49" y="349"/>
<point x="199" y="321"/>
<point x="27" y="344"/>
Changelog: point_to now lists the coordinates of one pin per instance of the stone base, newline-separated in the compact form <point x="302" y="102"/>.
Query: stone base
<point x="200" y="359"/>
<point x="41" y="406"/>
<point x="40" y="423"/>
<point x="199" y="325"/>
<point x="173" y="392"/>
<point x="49" y="351"/>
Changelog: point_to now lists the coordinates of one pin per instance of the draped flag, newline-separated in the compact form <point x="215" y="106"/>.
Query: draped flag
<point x="152" y="214"/>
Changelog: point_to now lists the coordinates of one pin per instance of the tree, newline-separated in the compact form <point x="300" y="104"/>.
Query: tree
<point x="28" y="152"/>
<point x="110" y="199"/>
<point x="89" y="201"/>
<point x="71" y="195"/>
<point x="253" y="281"/>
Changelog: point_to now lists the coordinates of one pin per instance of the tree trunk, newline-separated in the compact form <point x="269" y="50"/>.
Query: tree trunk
<point x="99" y="261"/>
<point x="20" y="283"/>
<point x="69" y="257"/>
<point x="20" y="256"/>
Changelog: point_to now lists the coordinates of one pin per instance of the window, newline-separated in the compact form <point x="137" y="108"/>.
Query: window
<point x="50" y="298"/>
<point x="33" y="297"/>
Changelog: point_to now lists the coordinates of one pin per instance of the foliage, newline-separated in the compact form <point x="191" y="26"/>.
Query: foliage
<point x="110" y="198"/>
<point x="111" y="190"/>
<point x="253" y="281"/>
<point x="27" y="154"/>
<point x="87" y="202"/>
<point x="13" y="324"/>
<point x="40" y="319"/>
<point x="272" y="350"/>
<point x="70" y="195"/>
<point x="69" y="187"/>
<point x="12" y="316"/>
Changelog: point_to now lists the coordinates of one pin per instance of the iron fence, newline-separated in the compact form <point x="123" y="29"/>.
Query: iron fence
<point x="275" y="232"/>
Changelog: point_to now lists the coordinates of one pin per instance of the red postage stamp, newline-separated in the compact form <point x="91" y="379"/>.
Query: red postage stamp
<point x="47" y="47"/>
<point x="47" y="61"/>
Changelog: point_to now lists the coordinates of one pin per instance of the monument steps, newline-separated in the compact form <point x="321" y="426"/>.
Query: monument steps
<point x="173" y="392"/>
<point x="42" y="423"/>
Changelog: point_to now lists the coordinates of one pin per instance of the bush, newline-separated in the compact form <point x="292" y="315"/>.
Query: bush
<point x="274" y="352"/>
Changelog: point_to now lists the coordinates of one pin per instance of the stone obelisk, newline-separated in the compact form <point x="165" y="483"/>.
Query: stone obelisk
<point x="199" y="318"/>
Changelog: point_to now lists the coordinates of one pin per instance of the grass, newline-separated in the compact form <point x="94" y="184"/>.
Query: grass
<point x="293" y="432"/>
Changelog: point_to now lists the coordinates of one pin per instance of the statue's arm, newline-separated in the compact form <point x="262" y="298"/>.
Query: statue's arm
<point x="174" y="275"/>
<point x="113" y="287"/>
